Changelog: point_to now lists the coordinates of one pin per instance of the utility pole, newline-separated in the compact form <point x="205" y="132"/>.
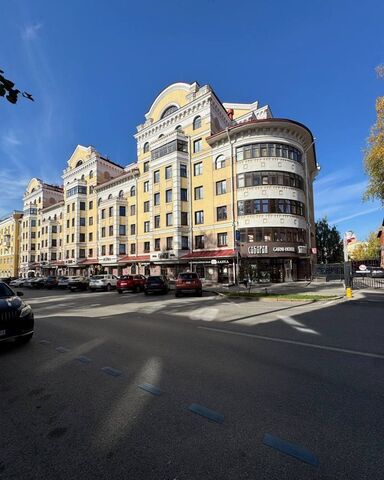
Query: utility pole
<point x="348" y="236"/>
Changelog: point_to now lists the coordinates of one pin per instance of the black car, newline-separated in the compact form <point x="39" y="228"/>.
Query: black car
<point x="38" y="282"/>
<point x="51" y="282"/>
<point x="156" y="284"/>
<point x="16" y="317"/>
<point x="78" y="283"/>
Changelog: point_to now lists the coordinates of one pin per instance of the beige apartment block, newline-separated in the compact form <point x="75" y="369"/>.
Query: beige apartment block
<point x="9" y="244"/>
<point x="224" y="189"/>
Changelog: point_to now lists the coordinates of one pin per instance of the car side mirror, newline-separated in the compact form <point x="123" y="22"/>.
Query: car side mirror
<point x="19" y="294"/>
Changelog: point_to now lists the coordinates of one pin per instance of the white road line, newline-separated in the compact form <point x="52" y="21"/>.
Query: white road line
<point x="294" y="342"/>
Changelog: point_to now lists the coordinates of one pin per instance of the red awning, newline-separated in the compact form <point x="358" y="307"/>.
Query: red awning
<point x="210" y="254"/>
<point x="131" y="258"/>
<point x="89" y="261"/>
<point x="57" y="263"/>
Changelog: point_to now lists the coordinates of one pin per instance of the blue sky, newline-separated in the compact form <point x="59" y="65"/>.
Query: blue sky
<point x="94" y="67"/>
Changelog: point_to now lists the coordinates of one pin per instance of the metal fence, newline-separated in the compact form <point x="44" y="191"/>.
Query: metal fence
<point x="329" y="271"/>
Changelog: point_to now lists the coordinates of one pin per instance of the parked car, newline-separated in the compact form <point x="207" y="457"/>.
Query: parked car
<point x="28" y="282"/>
<point x="16" y="317"/>
<point x="377" y="272"/>
<point x="51" y="282"/>
<point x="134" y="283"/>
<point x="6" y="280"/>
<point x="78" y="283"/>
<point x="63" y="281"/>
<point x="38" y="282"/>
<point x="156" y="284"/>
<point x="102" y="282"/>
<point x="188" y="282"/>
<point x="18" y="282"/>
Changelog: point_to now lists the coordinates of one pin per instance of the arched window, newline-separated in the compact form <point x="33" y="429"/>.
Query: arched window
<point x="220" y="162"/>
<point x="168" y="111"/>
<point x="196" y="123"/>
<point x="161" y="135"/>
<point x="55" y="217"/>
<point x="133" y="191"/>
<point x="91" y="174"/>
<point x="99" y="201"/>
<point x="121" y="194"/>
<point x="80" y="162"/>
<point x="178" y="127"/>
<point x="82" y="177"/>
<point x="133" y="269"/>
<point x="146" y="147"/>
<point x="91" y="189"/>
<point x="109" y="196"/>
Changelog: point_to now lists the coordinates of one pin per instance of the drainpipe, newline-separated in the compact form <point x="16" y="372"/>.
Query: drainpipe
<point x="190" y="197"/>
<point x="236" y="264"/>
<point x="307" y="206"/>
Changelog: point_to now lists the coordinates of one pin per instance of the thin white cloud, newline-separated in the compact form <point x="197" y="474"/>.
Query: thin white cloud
<point x="358" y="214"/>
<point x="29" y="32"/>
<point x="10" y="139"/>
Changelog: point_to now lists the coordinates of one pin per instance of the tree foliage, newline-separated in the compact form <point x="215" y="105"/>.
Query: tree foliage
<point x="8" y="91"/>
<point x="368" y="250"/>
<point x="329" y="243"/>
<point x="374" y="154"/>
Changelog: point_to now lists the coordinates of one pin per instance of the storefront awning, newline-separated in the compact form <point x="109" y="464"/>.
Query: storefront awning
<point x="88" y="261"/>
<point x="209" y="254"/>
<point x="58" y="263"/>
<point x="132" y="259"/>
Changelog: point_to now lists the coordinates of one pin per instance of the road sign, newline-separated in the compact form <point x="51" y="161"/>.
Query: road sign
<point x="362" y="268"/>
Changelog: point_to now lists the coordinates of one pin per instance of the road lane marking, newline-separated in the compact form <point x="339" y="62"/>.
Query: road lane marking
<point x="291" y="449"/>
<point x="295" y="342"/>
<point x="62" y="349"/>
<point x="150" y="388"/>
<point x="83" y="359"/>
<point x="112" y="371"/>
<point x="44" y="342"/>
<point x="205" y="412"/>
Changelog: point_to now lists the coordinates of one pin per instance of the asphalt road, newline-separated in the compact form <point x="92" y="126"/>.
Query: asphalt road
<point x="305" y="379"/>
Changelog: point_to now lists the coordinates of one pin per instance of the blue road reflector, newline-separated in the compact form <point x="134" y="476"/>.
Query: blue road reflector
<point x="291" y="449"/>
<point x="83" y="359"/>
<point x="62" y="349"/>
<point x="205" y="412"/>
<point x="150" y="388"/>
<point x="112" y="371"/>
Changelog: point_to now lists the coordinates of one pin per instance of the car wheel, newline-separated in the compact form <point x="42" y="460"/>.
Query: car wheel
<point x="135" y="289"/>
<point x="109" y="287"/>
<point x="177" y="294"/>
<point x="24" y="339"/>
<point x="145" y="292"/>
<point x="119" y="291"/>
<point x="92" y="289"/>
<point x="199" y="293"/>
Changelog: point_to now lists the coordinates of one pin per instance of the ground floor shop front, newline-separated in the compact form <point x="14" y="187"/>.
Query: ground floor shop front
<point x="274" y="270"/>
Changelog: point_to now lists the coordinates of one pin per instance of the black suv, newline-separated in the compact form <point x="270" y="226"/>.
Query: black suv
<point x="16" y="317"/>
<point x="156" y="284"/>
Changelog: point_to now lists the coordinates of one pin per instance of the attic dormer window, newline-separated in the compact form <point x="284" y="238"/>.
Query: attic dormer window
<point x="168" y="111"/>
<point x="80" y="162"/>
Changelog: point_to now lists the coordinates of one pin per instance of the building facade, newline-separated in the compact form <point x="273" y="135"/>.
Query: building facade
<point x="9" y="244"/>
<point x="223" y="189"/>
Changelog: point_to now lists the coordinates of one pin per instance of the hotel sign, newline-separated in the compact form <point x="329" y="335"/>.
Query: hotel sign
<point x="272" y="249"/>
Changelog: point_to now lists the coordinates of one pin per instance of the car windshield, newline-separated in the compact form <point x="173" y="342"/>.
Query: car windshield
<point x="155" y="279"/>
<point x="125" y="277"/>
<point x="5" y="291"/>
<point x="188" y="276"/>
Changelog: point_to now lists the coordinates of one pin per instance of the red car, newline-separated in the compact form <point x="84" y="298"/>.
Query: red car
<point x="188" y="282"/>
<point x="134" y="283"/>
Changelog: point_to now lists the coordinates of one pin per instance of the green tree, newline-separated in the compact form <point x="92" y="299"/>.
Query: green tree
<point x="8" y="91"/>
<point x="374" y="154"/>
<point x="329" y="243"/>
<point x="373" y="247"/>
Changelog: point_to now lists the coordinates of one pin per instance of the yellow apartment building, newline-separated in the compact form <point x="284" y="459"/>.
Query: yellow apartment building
<point x="224" y="189"/>
<point x="9" y="244"/>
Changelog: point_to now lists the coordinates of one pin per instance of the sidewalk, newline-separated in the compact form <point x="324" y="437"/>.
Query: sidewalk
<point x="321" y="288"/>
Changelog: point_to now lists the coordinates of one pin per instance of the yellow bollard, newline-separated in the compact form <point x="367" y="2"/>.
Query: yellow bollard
<point x="348" y="292"/>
